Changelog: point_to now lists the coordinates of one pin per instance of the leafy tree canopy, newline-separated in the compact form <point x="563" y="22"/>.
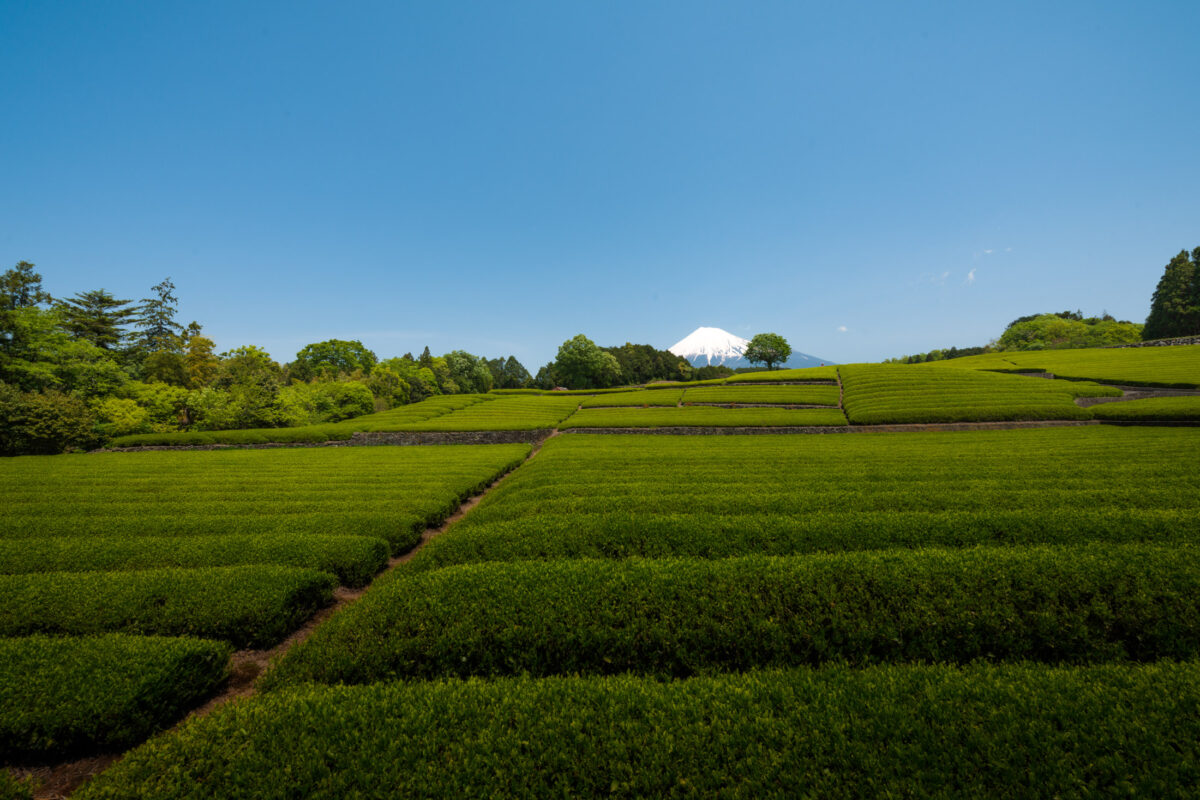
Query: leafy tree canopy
<point x="98" y="317"/>
<point x="331" y="358"/>
<point x="1067" y="330"/>
<point x="769" y="349"/>
<point x="580" y="364"/>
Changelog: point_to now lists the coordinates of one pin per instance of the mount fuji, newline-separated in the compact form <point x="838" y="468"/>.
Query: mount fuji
<point x="712" y="347"/>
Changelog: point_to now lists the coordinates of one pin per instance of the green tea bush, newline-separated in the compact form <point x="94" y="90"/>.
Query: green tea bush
<point x="67" y="695"/>
<point x="798" y="395"/>
<point x="802" y="374"/>
<point x="390" y="493"/>
<point x="1177" y="366"/>
<point x="628" y="399"/>
<point x="678" y="617"/>
<point x="997" y="731"/>
<point x="251" y="606"/>
<point x="353" y="559"/>
<point x="703" y="417"/>
<point x="890" y="394"/>
<point x="502" y="414"/>
<point x="1151" y="408"/>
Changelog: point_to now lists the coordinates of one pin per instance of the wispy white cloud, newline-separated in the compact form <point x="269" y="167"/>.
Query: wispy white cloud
<point x="842" y="328"/>
<point x="970" y="276"/>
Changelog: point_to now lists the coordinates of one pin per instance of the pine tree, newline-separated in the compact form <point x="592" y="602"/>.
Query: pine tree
<point x="426" y="359"/>
<point x="1175" y="306"/>
<point x="98" y="317"/>
<point x="157" y="328"/>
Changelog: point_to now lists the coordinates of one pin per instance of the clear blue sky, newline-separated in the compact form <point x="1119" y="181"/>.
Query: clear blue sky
<point x="867" y="179"/>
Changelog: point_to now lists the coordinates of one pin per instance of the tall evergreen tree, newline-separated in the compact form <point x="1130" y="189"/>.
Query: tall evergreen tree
<point x="1175" y="306"/>
<point x="157" y="328"/>
<point x="21" y="287"/>
<point x="426" y="359"/>
<point x="97" y="317"/>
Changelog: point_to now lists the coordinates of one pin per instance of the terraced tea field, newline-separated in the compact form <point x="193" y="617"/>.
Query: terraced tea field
<point x="1139" y="366"/>
<point x="914" y="613"/>
<point x="126" y="580"/>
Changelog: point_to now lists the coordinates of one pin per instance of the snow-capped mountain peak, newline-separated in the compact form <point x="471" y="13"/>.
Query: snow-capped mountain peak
<point x="711" y="346"/>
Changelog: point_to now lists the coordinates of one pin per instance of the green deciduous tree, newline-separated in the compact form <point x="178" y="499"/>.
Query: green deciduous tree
<point x="331" y="358"/>
<point x="769" y="349"/>
<point x="580" y="364"/>
<point x="1065" y="330"/>
<point x="470" y="373"/>
<point x="1175" y="306"/>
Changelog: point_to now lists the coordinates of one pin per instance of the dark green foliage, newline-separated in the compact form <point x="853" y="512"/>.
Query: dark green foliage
<point x="642" y="363"/>
<point x="1151" y="408"/>
<point x="331" y="358"/>
<point x="156" y="325"/>
<point x="13" y="788"/>
<point x="353" y="559"/>
<point x="1016" y="731"/>
<point x="889" y="394"/>
<point x="508" y="373"/>
<point x="98" y="317"/>
<point x="678" y="617"/>
<point x="939" y="355"/>
<point x="252" y="606"/>
<point x="65" y="695"/>
<point x="33" y="423"/>
<point x="769" y="349"/>
<point x="1175" y="306"/>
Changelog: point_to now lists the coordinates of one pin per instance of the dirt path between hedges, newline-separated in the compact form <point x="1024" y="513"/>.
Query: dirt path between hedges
<point x="58" y="780"/>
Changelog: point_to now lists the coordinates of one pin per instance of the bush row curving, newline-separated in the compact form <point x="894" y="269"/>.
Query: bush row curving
<point x="703" y="417"/>
<point x="1171" y="409"/>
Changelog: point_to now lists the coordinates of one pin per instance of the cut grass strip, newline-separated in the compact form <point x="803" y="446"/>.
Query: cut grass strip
<point x="353" y="559"/>
<point x="1011" y="731"/>
<point x="68" y="695"/>
<point x="704" y="417"/>
<point x="678" y="617"/>
<point x="253" y="606"/>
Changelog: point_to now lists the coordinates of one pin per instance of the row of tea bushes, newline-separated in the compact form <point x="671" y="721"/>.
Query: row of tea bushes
<point x="615" y="496"/>
<point x="890" y="394"/>
<point x="65" y="695"/>
<point x="248" y="606"/>
<point x="998" y="731"/>
<point x="1167" y="409"/>
<point x="1177" y="366"/>
<point x="644" y="397"/>
<point x="704" y="417"/>
<point x="778" y="395"/>
<point x="679" y="617"/>
<point x="353" y="559"/>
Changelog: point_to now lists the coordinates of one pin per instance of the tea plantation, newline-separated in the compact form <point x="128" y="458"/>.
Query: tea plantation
<point x="105" y="558"/>
<point x="978" y="613"/>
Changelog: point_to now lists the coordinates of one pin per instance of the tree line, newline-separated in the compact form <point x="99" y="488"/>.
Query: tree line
<point x="77" y="371"/>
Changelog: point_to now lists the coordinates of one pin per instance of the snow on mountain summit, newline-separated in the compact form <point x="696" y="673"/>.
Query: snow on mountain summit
<point x="711" y="345"/>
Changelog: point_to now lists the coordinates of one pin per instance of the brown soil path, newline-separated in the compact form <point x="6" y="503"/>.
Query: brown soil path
<point x="57" y="781"/>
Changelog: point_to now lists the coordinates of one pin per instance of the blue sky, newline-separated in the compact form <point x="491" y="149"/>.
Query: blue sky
<point x="867" y="179"/>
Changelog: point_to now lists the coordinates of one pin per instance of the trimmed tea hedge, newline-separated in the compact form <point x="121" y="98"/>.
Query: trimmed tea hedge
<point x="61" y="696"/>
<point x="252" y="606"/>
<point x="1176" y="366"/>
<point x="390" y="493"/>
<point x="703" y="417"/>
<point x="1012" y="731"/>
<point x="713" y="496"/>
<point x="645" y="397"/>
<point x="1151" y="408"/>
<point x="517" y="413"/>
<point x="353" y="559"/>
<point x="802" y="374"/>
<point x="678" y="617"/>
<point x="797" y="395"/>
<point x="890" y="394"/>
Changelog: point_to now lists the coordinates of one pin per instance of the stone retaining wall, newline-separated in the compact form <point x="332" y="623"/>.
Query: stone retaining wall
<point x="1161" y="342"/>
